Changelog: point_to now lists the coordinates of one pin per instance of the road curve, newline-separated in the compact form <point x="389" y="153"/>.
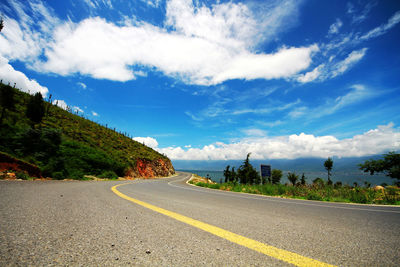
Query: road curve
<point x="85" y="223"/>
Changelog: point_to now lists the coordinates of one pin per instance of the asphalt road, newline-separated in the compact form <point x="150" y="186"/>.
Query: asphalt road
<point x="85" y="223"/>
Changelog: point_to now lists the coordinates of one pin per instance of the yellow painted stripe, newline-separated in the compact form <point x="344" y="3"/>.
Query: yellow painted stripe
<point x="271" y="251"/>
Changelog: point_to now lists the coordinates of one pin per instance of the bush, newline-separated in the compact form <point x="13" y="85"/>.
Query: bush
<point x="58" y="175"/>
<point x="76" y="174"/>
<point x="22" y="175"/>
<point x="109" y="175"/>
<point x="314" y="196"/>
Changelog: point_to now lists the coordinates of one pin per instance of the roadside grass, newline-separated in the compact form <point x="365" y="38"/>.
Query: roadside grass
<point x="322" y="192"/>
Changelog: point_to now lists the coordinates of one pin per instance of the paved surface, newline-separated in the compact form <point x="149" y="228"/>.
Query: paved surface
<point x="85" y="223"/>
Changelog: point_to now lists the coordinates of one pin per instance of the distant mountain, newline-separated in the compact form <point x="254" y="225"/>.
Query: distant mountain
<point x="345" y="170"/>
<point x="299" y="165"/>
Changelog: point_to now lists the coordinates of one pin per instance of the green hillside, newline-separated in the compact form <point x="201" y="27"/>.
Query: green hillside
<point x="62" y="144"/>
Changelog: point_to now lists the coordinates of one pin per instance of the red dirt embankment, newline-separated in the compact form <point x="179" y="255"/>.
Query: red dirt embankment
<point x="151" y="169"/>
<point x="9" y="163"/>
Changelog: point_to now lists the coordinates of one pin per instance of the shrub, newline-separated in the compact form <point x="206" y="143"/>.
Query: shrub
<point x="76" y="174"/>
<point x="109" y="175"/>
<point x="313" y="196"/>
<point x="58" y="175"/>
<point x="318" y="182"/>
<point x="22" y="175"/>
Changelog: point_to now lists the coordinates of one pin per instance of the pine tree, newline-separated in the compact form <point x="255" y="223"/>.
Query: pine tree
<point x="247" y="174"/>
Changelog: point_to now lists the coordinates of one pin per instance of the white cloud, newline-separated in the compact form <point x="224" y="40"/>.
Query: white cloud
<point x="152" y="3"/>
<point x="25" y="39"/>
<point x="332" y="68"/>
<point x="395" y="19"/>
<point x="77" y="109"/>
<point x="95" y="114"/>
<point x="312" y="75"/>
<point x="335" y="27"/>
<point x="357" y="93"/>
<point x="148" y="141"/>
<point x="60" y="103"/>
<point x="82" y="85"/>
<point x="348" y="62"/>
<point x="358" y="17"/>
<point x="9" y="75"/>
<point x="266" y="109"/>
<point x="375" y="141"/>
<point x="199" y="44"/>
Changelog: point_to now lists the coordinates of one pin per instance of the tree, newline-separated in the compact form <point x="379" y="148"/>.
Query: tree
<point x="389" y="165"/>
<point x="35" y="109"/>
<point x="328" y="164"/>
<point x="7" y="100"/>
<point x="247" y="174"/>
<point x="276" y="176"/>
<point x="227" y="174"/>
<point x="233" y="176"/>
<point x="292" y="177"/>
<point x="303" y="179"/>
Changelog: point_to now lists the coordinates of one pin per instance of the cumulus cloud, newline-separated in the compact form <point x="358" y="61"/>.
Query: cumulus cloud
<point x="198" y="44"/>
<point x="60" y="103"/>
<point x="95" y="114"/>
<point x="148" y="141"/>
<point x="9" y="75"/>
<point x="375" y="141"/>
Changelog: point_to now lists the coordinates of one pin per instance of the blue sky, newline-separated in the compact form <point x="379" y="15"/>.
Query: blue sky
<point x="212" y="80"/>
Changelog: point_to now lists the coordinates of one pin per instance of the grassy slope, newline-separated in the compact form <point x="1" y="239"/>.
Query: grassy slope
<point x="116" y="145"/>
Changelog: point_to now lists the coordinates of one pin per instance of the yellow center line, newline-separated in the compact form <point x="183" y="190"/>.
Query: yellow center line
<point x="271" y="251"/>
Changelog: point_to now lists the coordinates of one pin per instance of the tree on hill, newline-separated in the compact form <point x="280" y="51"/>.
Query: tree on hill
<point x="247" y="174"/>
<point x="7" y="100"/>
<point x="35" y="109"/>
<point x="276" y="176"/>
<point x="328" y="164"/>
<point x="292" y="177"/>
<point x="389" y="165"/>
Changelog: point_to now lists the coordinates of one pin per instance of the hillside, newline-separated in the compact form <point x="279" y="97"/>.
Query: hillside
<point x="66" y="145"/>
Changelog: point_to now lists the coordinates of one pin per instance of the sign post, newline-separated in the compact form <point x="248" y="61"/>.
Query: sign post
<point x="265" y="172"/>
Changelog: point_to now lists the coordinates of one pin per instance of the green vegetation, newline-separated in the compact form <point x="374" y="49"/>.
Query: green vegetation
<point x="389" y="165"/>
<point x="276" y="176"/>
<point x="324" y="192"/>
<point x="319" y="189"/>
<point x="62" y="144"/>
